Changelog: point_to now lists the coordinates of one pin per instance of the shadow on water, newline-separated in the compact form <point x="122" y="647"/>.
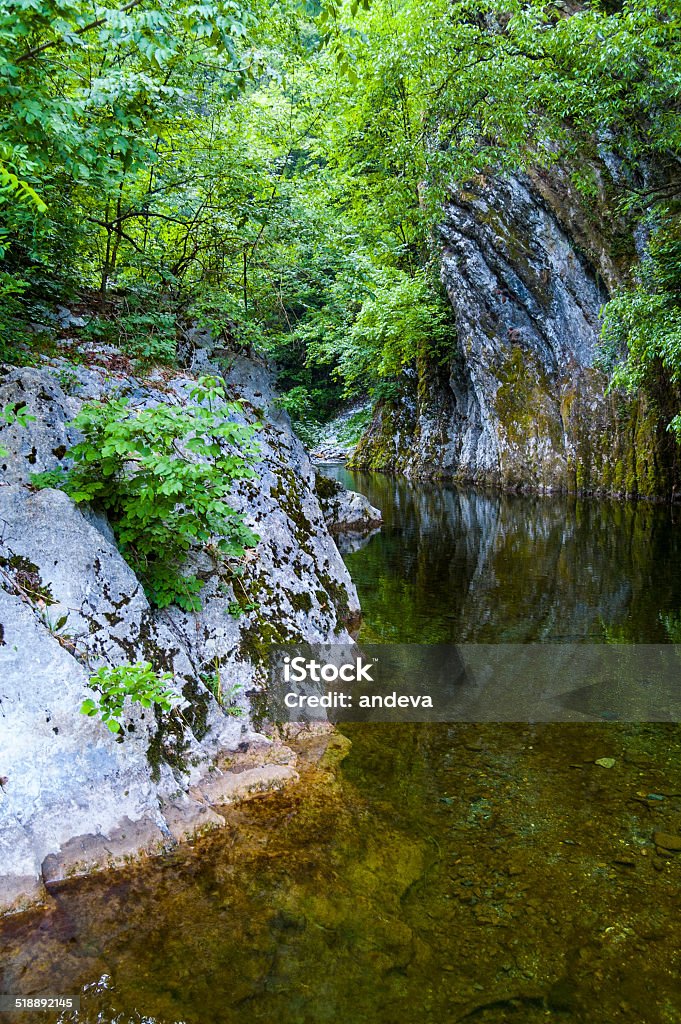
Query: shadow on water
<point x="446" y="873"/>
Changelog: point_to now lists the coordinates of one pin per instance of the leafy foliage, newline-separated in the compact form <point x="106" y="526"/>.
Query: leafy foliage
<point x="275" y="172"/>
<point x="402" y="320"/>
<point x="56" y="478"/>
<point x="163" y="476"/>
<point x="641" y="336"/>
<point x="299" y="403"/>
<point x="149" y="337"/>
<point x="13" y="187"/>
<point x="138" y="682"/>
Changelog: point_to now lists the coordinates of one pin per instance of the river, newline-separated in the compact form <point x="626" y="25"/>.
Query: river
<point x="444" y="873"/>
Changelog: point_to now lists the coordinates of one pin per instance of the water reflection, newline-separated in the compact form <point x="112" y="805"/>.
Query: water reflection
<point x="452" y="565"/>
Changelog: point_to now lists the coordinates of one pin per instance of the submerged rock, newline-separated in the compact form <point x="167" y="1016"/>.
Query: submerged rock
<point x="346" y="512"/>
<point x="73" y="796"/>
<point x="667" y="841"/>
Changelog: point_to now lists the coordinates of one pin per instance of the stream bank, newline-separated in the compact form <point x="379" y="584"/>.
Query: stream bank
<point x="74" y="797"/>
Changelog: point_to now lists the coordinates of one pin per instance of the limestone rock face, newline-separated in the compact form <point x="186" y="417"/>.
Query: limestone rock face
<point x="521" y="404"/>
<point x="73" y="796"/>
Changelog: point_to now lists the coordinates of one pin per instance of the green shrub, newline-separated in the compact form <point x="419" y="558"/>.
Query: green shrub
<point x="299" y="403"/>
<point x="641" y="335"/>
<point x="162" y="475"/>
<point x="139" y="682"/>
<point x="13" y="333"/>
<point x="403" y="319"/>
<point x="101" y="329"/>
<point x="148" y="337"/>
<point x="222" y="312"/>
<point x="56" y="478"/>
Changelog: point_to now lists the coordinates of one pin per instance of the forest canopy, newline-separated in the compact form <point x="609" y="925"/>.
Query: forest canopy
<point x="276" y="172"/>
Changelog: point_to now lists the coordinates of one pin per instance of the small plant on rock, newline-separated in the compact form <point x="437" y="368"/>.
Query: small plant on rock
<point x="49" y="478"/>
<point x="225" y="696"/>
<point x="56" y="628"/>
<point x="139" y="682"/>
<point x="163" y="476"/>
<point x="14" y="414"/>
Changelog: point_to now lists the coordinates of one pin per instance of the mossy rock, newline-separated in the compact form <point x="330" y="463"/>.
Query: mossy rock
<point x="326" y="487"/>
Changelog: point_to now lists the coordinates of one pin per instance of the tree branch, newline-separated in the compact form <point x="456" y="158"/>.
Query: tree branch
<point x="34" y="51"/>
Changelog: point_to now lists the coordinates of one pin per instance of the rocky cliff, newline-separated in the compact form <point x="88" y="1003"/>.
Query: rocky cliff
<point x="521" y="403"/>
<point x="72" y="795"/>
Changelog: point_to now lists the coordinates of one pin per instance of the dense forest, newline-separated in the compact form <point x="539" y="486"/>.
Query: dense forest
<point x="276" y="173"/>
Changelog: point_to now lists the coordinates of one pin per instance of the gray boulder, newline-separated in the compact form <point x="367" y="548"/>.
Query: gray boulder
<point x="345" y="511"/>
<point x="74" y="797"/>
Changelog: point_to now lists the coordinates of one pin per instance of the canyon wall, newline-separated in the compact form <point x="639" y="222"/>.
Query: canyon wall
<point x="520" y="402"/>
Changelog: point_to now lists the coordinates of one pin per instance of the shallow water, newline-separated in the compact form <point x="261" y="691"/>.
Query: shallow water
<point x="446" y="873"/>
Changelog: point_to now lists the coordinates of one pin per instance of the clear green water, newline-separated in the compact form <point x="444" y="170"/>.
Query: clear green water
<point x="454" y="566"/>
<point x="445" y="873"/>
